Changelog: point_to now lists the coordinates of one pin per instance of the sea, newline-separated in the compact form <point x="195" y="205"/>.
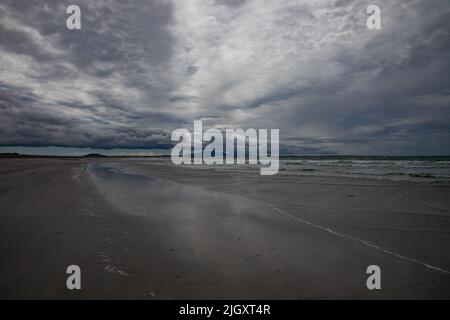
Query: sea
<point x="398" y="168"/>
<point x="422" y="168"/>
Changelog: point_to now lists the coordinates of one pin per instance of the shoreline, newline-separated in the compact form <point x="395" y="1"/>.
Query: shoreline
<point x="227" y="241"/>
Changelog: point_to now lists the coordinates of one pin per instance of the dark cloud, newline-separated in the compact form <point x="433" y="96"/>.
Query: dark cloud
<point x="139" y="69"/>
<point x="26" y="124"/>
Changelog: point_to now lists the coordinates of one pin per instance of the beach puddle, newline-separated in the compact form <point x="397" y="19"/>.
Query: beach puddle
<point x="148" y="196"/>
<point x="203" y="224"/>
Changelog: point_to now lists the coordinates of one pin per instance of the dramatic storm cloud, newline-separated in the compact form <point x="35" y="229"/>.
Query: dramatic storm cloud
<point x="139" y="69"/>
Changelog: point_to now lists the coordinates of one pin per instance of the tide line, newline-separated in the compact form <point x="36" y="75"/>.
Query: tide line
<point x="364" y="242"/>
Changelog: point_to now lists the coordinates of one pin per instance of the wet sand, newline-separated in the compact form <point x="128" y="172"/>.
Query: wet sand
<point x="162" y="232"/>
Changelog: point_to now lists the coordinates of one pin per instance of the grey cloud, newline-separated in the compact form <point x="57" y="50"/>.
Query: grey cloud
<point x="139" y="69"/>
<point x="28" y="125"/>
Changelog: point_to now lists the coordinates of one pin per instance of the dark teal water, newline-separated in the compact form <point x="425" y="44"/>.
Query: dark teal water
<point x="436" y="168"/>
<point x="411" y="168"/>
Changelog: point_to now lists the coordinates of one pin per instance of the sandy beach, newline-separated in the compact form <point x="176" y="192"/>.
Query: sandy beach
<point x="154" y="231"/>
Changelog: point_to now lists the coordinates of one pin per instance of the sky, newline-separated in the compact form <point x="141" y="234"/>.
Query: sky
<point x="312" y="69"/>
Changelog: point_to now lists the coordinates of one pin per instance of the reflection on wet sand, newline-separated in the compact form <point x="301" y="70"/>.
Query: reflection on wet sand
<point x="230" y="245"/>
